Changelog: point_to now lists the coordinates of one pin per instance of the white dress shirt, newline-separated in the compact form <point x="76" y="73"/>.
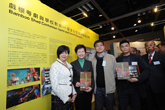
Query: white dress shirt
<point x="152" y="55"/>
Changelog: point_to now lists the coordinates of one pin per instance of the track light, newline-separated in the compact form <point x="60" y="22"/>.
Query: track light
<point x="85" y="8"/>
<point x="81" y="9"/>
<point x="90" y="6"/>
<point x="156" y="9"/>
<point x="100" y="15"/>
<point x="85" y="14"/>
<point x="139" y="21"/>
<point x="152" y="24"/>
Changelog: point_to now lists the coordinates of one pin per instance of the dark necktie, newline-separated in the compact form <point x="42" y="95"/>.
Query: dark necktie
<point x="150" y="58"/>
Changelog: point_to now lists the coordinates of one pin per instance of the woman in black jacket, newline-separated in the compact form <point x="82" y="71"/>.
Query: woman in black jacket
<point x="84" y="98"/>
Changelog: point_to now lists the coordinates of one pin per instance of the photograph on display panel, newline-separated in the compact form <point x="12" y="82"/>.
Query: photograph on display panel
<point x="21" y="95"/>
<point x="46" y="85"/>
<point x="21" y="76"/>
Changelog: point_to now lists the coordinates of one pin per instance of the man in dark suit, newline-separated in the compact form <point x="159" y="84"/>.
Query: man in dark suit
<point x="155" y="85"/>
<point x="131" y="90"/>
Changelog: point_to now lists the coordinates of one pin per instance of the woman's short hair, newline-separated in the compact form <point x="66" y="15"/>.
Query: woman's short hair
<point x="62" y="49"/>
<point x="79" y="47"/>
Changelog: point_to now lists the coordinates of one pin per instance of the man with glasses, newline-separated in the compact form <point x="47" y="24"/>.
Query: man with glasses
<point x="104" y="77"/>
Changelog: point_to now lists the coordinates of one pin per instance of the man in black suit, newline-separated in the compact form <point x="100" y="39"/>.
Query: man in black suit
<point x="131" y="90"/>
<point x="155" y="85"/>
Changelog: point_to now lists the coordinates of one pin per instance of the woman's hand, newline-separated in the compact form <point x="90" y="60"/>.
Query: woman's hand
<point x="116" y="68"/>
<point x="133" y="80"/>
<point x="78" y="84"/>
<point x="70" y="99"/>
<point x="88" y="89"/>
<point x="74" y="97"/>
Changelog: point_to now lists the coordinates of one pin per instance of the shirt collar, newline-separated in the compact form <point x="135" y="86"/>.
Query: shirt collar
<point x="152" y="54"/>
<point x="101" y="55"/>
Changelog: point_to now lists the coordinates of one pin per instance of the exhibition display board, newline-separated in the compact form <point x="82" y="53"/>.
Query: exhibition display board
<point x="30" y="34"/>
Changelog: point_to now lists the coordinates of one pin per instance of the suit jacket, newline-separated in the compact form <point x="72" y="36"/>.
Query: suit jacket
<point x="61" y="80"/>
<point x="76" y="73"/>
<point x="157" y="77"/>
<point x="144" y="73"/>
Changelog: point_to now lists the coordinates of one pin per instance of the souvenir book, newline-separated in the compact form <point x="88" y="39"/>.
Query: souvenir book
<point x="85" y="80"/>
<point x="134" y="71"/>
<point x="122" y="69"/>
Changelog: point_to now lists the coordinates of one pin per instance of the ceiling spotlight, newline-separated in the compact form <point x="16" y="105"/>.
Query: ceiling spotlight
<point x="144" y="13"/>
<point x="114" y="36"/>
<point x="152" y="24"/>
<point x="134" y="25"/>
<point x="155" y="9"/>
<point x="139" y="21"/>
<point x="85" y="14"/>
<point x="112" y="28"/>
<point x="100" y="15"/>
<point x="136" y="30"/>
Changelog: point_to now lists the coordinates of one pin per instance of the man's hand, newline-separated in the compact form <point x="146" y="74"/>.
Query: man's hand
<point x="88" y="89"/>
<point x="133" y="80"/>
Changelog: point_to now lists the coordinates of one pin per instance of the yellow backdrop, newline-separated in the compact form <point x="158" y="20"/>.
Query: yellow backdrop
<point x="30" y="33"/>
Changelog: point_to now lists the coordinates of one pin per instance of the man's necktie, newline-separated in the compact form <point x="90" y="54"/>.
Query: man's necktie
<point x="150" y="58"/>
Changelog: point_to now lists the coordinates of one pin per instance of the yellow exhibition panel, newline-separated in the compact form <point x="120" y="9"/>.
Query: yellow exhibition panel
<point x="30" y="33"/>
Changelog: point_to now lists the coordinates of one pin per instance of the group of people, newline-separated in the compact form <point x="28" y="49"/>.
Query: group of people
<point x="147" y="92"/>
<point x="158" y="48"/>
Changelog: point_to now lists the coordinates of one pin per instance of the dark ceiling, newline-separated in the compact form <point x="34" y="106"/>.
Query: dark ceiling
<point x="120" y="14"/>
